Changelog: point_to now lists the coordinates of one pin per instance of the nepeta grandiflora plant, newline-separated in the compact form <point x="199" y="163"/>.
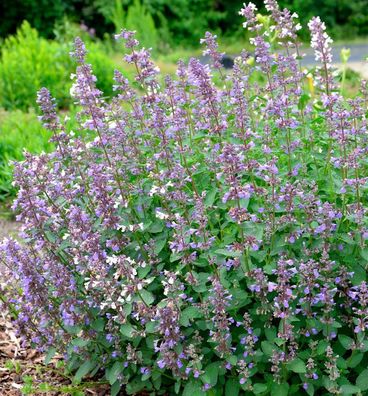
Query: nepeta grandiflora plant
<point x="191" y="238"/>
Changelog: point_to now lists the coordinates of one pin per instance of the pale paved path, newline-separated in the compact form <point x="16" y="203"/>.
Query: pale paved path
<point x="357" y="62"/>
<point x="8" y="228"/>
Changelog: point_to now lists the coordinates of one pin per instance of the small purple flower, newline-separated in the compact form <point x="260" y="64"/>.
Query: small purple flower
<point x="145" y="370"/>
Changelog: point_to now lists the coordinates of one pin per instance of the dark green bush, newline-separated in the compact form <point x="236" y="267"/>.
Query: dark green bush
<point x="178" y="21"/>
<point x="29" y="62"/>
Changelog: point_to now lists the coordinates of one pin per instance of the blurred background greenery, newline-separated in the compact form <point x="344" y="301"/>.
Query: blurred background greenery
<point x="36" y="38"/>
<point x="177" y="22"/>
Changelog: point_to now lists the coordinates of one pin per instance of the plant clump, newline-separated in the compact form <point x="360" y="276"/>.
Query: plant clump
<point x="199" y="237"/>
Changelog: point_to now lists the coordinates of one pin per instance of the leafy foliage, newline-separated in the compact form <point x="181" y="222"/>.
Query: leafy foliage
<point x="194" y="240"/>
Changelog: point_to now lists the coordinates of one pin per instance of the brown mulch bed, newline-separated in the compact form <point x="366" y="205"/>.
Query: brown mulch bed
<point x="19" y="366"/>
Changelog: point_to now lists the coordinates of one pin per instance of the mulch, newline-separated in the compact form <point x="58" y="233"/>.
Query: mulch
<point x="19" y="365"/>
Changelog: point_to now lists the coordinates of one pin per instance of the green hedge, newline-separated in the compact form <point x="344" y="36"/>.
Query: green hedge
<point x="28" y="62"/>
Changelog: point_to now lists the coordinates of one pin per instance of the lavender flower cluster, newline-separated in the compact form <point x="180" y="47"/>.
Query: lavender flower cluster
<point x="194" y="237"/>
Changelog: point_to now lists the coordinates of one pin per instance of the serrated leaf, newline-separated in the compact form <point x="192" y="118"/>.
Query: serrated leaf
<point x="232" y="387"/>
<point x="310" y="389"/>
<point x="270" y="333"/>
<point x="192" y="388"/>
<point x="50" y="236"/>
<point x="113" y="372"/>
<point x="267" y="348"/>
<point x="50" y="354"/>
<point x="362" y="380"/>
<point x="211" y="373"/>
<point x="156" y="227"/>
<point x="80" y="342"/>
<point x="297" y="366"/>
<point x="210" y="197"/>
<point x="355" y="359"/>
<point x="346" y="341"/>
<point x="98" y="324"/>
<point x="151" y="327"/>
<point x="364" y="254"/>
<point x="84" y="369"/>
<point x="177" y="387"/>
<point x="188" y="314"/>
<point x="126" y="330"/>
<point x="135" y="386"/>
<point x="115" y="388"/>
<point x="159" y="245"/>
<point x="147" y="296"/>
<point x="279" y="389"/>
<point x="228" y="253"/>
<point x="349" y="389"/>
<point x="321" y="349"/>
<point x="259" y="388"/>
<point x="232" y="360"/>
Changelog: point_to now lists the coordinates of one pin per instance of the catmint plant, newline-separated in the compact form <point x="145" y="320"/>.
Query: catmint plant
<point x="203" y="233"/>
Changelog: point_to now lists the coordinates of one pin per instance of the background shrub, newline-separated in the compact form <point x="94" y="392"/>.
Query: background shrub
<point x="181" y="21"/>
<point x="29" y="62"/>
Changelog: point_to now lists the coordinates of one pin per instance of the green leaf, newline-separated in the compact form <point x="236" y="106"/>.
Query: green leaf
<point x="50" y="236"/>
<point x="211" y="373"/>
<point x="193" y="388"/>
<point x="270" y="333"/>
<point x="232" y="360"/>
<point x="355" y="359"/>
<point x="144" y="271"/>
<point x="360" y="274"/>
<point x="303" y="101"/>
<point x="232" y="387"/>
<point x="115" y="388"/>
<point x="346" y="341"/>
<point x="147" y="296"/>
<point x="279" y="389"/>
<point x="157" y="381"/>
<point x="126" y="330"/>
<point x="84" y="369"/>
<point x="98" y="324"/>
<point x="177" y="387"/>
<point x="347" y="239"/>
<point x="80" y="342"/>
<point x="267" y="348"/>
<point x="50" y="354"/>
<point x="259" y="388"/>
<point x="228" y="253"/>
<point x="72" y="329"/>
<point x="188" y="314"/>
<point x="310" y="389"/>
<point x="135" y="386"/>
<point x="151" y="327"/>
<point x="156" y="227"/>
<point x="159" y="245"/>
<point x="322" y="345"/>
<point x="113" y="372"/>
<point x="349" y="389"/>
<point x="297" y="366"/>
<point x="210" y="197"/>
<point x="364" y="253"/>
<point x="362" y="380"/>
